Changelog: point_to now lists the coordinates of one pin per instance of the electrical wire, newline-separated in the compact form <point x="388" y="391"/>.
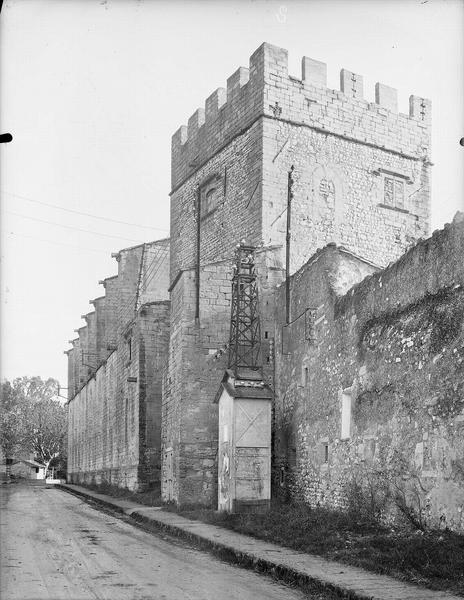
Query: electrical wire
<point x="71" y="227"/>
<point x="129" y="305"/>
<point x="80" y="248"/>
<point x="78" y="212"/>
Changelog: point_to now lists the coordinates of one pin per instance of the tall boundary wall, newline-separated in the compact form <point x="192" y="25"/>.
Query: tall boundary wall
<point x="373" y="401"/>
<point x="115" y="374"/>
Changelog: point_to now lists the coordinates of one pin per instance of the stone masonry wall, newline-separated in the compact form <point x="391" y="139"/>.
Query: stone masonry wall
<point x="115" y="374"/>
<point x="361" y="178"/>
<point x="195" y="368"/>
<point x="100" y="338"/>
<point x="343" y="149"/>
<point x="114" y="420"/>
<point x="339" y="195"/>
<point x="374" y="401"/>
<point x="153" y="336"/>
<point x="111" y="311"/>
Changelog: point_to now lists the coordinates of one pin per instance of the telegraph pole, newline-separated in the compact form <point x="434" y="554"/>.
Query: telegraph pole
<point x="291" y="181"/>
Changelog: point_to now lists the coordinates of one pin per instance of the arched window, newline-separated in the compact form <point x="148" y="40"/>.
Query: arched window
<point x="211" y="195"/>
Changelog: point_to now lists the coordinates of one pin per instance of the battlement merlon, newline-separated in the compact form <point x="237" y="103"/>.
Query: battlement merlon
<point x="266" y="89"/>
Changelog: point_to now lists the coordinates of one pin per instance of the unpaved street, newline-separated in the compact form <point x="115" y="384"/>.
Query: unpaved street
<point x="55" y="546"/>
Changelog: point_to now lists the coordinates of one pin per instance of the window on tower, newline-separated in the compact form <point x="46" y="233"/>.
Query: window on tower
<point x="211" y="195"/>
<point x="393" y="192"/>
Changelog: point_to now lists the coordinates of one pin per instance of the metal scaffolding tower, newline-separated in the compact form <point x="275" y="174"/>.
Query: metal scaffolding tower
<point x="245" y="332"/>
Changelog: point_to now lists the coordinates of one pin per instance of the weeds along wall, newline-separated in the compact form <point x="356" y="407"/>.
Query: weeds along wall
<point x="370" y="404"/>
<point x="361" y="179"/>
<point x="115" y="371"/>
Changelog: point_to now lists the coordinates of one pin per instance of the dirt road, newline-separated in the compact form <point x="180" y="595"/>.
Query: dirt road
<point x="55" y="546"/>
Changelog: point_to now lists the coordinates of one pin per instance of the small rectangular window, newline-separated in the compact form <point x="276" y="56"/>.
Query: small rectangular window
<point x="346" y="415"/>
<point x="394" y="192"/>
<point x="326" y="453"/>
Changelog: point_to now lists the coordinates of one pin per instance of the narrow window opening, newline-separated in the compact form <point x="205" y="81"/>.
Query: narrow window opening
<point x="326" y="453"/>
<point x="393" y="192"/>
<point x="346" y="415"/>
<point x="126" y="417"/>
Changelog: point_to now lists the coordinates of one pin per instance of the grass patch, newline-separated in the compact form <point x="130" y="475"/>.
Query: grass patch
<point x="148" y="498"/>
<point x="434" y="559"/>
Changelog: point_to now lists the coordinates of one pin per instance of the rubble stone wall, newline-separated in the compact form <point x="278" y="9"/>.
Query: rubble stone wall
<point x="375" y="399"/>
<point x="361" y="178"/>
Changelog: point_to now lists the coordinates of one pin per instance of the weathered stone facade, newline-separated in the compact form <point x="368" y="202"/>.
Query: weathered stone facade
<point x="367" y="370"/>
<point x="373" y="395"/>
<point x="115" y="375"/>
<point x="229" y="182"/>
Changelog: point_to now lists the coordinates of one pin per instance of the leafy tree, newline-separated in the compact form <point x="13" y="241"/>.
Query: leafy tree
<point x="12" y="425"/>
<point x="32" y="419"/>
<point x="47" y="430"/>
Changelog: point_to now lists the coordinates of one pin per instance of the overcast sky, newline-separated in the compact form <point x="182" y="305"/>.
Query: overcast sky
<point x="92" y="91"/>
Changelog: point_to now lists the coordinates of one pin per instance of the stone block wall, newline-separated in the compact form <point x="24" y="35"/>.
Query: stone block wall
<point x="361" y="178"/>
<point x="110" y="285"/>
<point x="341" y="194"/>
<point x="361" y="168"/>
<point x="153" y="339"/>
<point x="114" y="420"/>
<point x="115" y="371"/>
<point x="196" y="365"/>
<point x="374" y="400"/>
<point x="99" y="305"/>
<point x="154" y="273"/>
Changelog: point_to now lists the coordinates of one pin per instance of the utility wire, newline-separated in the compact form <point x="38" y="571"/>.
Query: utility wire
<point x="71" y="227"/>
<point x="80" y="248"/>
<point x="126" y="309"/>
<point x="129" y="306"/>
<point x="77" y="212"/>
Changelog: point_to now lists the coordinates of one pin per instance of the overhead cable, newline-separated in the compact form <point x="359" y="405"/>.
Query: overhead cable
<point x="78" y="212"/>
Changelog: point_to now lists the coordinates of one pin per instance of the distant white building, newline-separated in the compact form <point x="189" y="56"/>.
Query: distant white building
<point x="29" y="469"/>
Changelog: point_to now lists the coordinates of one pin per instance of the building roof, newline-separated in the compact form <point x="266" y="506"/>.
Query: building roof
<point x="238" y="388"/>
<point x="33" y="463"/>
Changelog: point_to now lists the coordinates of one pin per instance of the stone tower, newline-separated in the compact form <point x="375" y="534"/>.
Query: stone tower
<point x="361" y="180"/>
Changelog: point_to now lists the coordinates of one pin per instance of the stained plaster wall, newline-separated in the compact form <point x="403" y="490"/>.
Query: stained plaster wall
<point x="395" y="344"/>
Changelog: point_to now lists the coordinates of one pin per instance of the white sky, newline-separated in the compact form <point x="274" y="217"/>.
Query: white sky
<point x="93" y="90"/>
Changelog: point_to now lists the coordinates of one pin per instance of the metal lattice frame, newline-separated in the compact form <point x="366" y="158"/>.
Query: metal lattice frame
<point x="245" y="330"/>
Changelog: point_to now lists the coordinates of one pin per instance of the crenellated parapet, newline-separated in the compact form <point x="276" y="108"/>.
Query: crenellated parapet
<point x="266" y="89"/>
